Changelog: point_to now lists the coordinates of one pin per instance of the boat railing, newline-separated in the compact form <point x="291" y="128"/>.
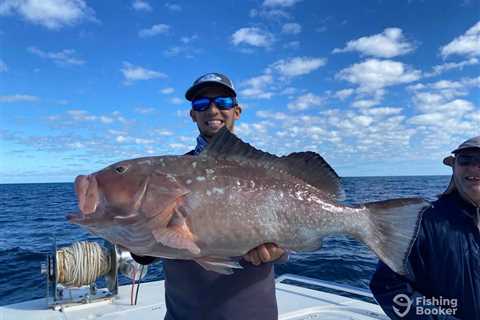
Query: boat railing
<point x="363" y="294"/>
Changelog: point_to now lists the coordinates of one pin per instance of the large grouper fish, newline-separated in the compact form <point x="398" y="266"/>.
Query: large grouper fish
<point x="215" y="207"/>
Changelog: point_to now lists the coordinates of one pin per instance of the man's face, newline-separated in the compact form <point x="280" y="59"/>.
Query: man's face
<point x="467" y="177"/>
<point x="213" y="119"/>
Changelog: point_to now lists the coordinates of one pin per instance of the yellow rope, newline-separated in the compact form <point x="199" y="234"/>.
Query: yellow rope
<point x="82" y="263"/>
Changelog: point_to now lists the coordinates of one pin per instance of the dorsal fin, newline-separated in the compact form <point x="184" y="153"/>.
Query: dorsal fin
<point x="313" y="169"/>
<point x="307" y="166"/>
<point x="226" y="145"/>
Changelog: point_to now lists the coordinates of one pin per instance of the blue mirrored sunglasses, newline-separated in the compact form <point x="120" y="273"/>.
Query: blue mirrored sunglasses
<point x="223" y="103"/>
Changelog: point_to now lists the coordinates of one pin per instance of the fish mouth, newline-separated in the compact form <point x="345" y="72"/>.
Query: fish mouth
<point x="86" y="188"/>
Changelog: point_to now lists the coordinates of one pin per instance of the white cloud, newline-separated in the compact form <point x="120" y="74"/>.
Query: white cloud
<point x="173" y="6"/>
<point x="143" y="141"/>
<point x="141" y="5"/>
<point x="253" y="36"/>
<point x="18" y="98"/>
<point x="343" y="94"/>
<point x="256" y="87"/>
<point x="187" y="40"/>
<point x="167" y="90"/>
<point x="269" y="13"/>
<point x="105" y="119"/>
<point x="271" y="115"/>
<point x="385" y="111"/>
<point x="144" y="110"/>
<point x="439" y="69"/>
<point x="362" y="120"/>
<point x="52" y="14"/>
<point x="154" y="30"/>
<point x="467" y="44"/>
<point x="81" y="115"/>
<point x="292" y="45"/>
<point x="177" y="100"/>
<point x="163" y="132"/>
<point x="305" y="101"/>
<point x="181" y="146"/>
<point x="390" y="43"/>
<point x="3" y="66"/>
<point x="365" y="103"/>
<point x="279" y="3"/>
<point x="121" y="139"/>
<point x="291" y="28"/>
<point x="374" y="74"/>
<point x="135" y="73"/>
<point x="64" y="57"/>
<point x="298" y="66"/>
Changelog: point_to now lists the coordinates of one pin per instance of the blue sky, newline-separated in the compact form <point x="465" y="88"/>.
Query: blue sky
<point x="376" y="87"/>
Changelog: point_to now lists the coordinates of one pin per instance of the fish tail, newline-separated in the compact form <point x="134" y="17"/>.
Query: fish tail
<point x="394" y="226"/>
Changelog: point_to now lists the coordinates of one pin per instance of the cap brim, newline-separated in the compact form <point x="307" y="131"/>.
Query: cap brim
<point x="465" y="148"/>
<point x="192" y="92"/>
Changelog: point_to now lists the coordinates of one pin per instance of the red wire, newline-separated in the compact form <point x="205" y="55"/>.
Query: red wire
<point x="133" y="288"/>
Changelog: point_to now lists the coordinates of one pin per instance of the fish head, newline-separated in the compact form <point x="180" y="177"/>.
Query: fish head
<point x="120" y="186"/>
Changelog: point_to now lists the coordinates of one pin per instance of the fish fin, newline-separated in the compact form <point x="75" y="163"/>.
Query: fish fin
<point x="177" y="234"/>
<point x="226" y="145"/>
<point x="131" y="218"/>
<point x="160" y="194"/>
<point x="219" y="265"/>
<point x="394" y="229"/>
<point x="307" y="166"/>
<point x="314" y="170"/>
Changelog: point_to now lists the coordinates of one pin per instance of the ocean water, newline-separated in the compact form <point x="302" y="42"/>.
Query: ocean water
<point x="32" y="215"/>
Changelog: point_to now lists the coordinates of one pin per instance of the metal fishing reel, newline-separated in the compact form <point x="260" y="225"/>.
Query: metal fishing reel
<point x="72" y="281"/>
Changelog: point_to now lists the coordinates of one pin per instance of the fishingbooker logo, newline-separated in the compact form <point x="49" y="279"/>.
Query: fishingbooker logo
<point x="404" y="302"/>
<point x="424" y="306"/>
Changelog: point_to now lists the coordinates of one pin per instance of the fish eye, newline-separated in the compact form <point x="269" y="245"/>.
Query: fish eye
<point x="120" y="169"/>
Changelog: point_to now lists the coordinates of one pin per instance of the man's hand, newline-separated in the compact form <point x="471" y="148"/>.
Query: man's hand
<point x="267" y="252"/>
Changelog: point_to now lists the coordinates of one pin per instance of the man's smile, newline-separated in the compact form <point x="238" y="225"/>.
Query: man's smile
<point x="214" y="124"/>
<point x="475" y="179"/>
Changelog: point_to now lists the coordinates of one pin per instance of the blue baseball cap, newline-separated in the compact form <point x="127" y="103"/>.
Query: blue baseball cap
<point x="213" y="79"/>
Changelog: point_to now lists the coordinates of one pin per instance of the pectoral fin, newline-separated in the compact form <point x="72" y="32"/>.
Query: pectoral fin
<point x="176" y="234"/>
<point x="219" y="265"/>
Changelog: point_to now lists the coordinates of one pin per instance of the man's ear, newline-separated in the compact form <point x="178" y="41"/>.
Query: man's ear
<point x="193" y="115"/>
<point x="237" y="111"/>
<point x="449" y="161"/>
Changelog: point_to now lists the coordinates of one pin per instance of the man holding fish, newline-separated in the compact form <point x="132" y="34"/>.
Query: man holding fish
<point x="444" y="264"/>
<point x="191" y="291"/>
<point x="226" y="200"/>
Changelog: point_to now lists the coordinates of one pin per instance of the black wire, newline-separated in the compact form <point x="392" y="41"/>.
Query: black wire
<point x="139" y="281"/>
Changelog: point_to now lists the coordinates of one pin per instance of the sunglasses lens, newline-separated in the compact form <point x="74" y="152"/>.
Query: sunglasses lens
<point x="468" y="160"/>
<point x="224" y="102"/>
<point x="200" y="104"/>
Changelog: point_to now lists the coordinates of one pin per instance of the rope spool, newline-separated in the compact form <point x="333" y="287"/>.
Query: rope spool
<point x="82" y="263"/>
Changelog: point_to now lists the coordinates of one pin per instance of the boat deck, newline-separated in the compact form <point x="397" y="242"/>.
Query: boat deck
<point x="299" y="298"/>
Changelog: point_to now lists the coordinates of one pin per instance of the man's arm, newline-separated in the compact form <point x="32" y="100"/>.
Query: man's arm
<point x="396" y="293"/>
<point x="387" y="287"/>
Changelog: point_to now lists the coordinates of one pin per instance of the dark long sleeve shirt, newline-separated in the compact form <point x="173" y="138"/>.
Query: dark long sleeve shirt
<point x="444" y="267"/>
